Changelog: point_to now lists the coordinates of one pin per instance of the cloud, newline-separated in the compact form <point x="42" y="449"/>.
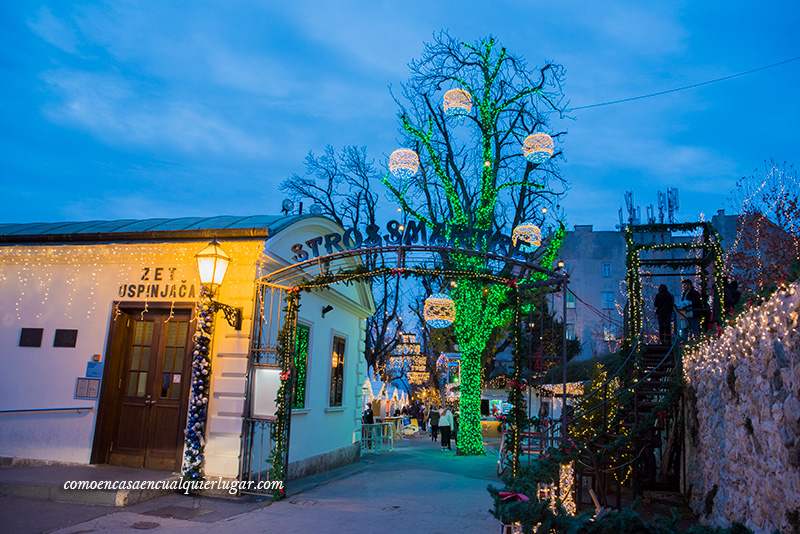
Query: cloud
<point x="117" y="112"/>
<point x="54" y="31"/>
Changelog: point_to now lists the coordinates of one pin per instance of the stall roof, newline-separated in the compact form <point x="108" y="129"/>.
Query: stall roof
<point x="222" y="226"/>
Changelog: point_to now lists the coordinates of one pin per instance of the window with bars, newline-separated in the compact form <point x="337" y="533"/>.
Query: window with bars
<point x="301" y="365"/>
<point x="337" y="372"/>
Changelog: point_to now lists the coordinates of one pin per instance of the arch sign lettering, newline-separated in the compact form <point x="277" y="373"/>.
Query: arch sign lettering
<point x="411" y="233"/>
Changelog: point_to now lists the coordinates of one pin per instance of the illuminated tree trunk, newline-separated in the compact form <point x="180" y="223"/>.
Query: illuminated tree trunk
<point x="478" y="313"/>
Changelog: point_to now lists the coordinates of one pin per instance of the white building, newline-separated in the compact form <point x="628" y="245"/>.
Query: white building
<point x="96" y="341"/>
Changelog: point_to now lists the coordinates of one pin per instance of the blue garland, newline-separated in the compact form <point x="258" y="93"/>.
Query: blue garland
<point x="198" y="401"/>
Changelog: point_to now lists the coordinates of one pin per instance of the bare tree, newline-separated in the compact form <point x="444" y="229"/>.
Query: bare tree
<point x="768" y="228"/>
<point x="341" y="185"/>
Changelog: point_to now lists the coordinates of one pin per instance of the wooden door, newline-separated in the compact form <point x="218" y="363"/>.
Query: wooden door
<point x="152" y="392"/>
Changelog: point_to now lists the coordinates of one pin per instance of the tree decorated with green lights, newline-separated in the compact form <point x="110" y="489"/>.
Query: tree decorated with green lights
<point x="474" y="116"/>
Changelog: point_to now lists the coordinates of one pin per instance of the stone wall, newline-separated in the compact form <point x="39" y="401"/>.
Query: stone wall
<point x="743" y="418"/>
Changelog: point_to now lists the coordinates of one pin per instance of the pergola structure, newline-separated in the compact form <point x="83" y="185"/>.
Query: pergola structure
<point x="274" y="323"/>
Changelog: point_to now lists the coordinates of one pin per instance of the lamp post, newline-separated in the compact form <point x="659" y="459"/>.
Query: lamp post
<point x="212" y="262"/>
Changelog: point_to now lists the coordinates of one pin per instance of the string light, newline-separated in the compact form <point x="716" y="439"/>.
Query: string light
<point x="529" y="234"/>
<point x="439" y="311"/>
<point x="457" y="102"/>
<point x="538" y="148"/>
<point x="404" y="163"/>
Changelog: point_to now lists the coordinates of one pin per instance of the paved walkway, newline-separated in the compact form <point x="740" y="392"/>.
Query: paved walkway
<point x="417" y="488"/>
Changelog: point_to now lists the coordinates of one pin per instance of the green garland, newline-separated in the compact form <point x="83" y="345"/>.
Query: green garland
<point x="283" y="399"/>
<point x="710" y="245"/>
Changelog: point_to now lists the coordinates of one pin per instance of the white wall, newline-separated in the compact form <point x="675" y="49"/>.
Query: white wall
<point x="318" y="428"/>
<point x="74" y="287"/>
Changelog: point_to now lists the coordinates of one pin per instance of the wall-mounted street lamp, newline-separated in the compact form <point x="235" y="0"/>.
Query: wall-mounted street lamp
<point x="212" y="262"/>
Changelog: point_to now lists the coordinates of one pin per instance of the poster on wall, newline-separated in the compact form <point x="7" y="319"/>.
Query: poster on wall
<point x="265" y="388"/>
<point x="87" y="388"/>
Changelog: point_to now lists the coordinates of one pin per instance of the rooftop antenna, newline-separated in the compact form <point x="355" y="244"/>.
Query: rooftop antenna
<point x="634" y="213"/>
<point x="651" y="216"/>
<point x="661" y="206"/>
<point x="286" y="206"/>
<point x="673" y="203"/>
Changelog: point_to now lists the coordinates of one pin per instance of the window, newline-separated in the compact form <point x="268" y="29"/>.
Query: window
<point x="608" y="300"/>
<point x="337" y="372"/>
<point x="570" y="300"/>
<point x="301" y="365"/>
<point x="571" y="331"/>
<point x="606" y="268"/>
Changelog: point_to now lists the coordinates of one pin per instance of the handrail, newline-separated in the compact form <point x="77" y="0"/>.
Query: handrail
<point x="621" y="367"/>
<point x="78" y="409"/>
<point x="632" y="386"/>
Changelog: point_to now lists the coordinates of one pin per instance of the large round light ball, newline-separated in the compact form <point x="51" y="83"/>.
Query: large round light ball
<point x="538" y="148"/>
<point x="404" y="163"/>
<point x="457" y="102"/>
<point x="527" y="237"/>
<point x="440" y="311"/>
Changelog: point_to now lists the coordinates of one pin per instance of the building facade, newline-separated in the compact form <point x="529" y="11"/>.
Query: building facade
<point x="96" y="339"/>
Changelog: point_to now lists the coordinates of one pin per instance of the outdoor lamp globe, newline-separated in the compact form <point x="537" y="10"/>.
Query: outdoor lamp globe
<point x="212" y="262"/>
<point x="538" y="148"/>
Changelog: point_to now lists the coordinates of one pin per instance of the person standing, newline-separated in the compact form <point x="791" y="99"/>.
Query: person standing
<point x="433" y="421"/>
<point x="445" y="426"/>
<point x="423" y="416"/>
<point x="368" y="418"/>
<point x="692" y="304"/>
<point x="663" y="302"/>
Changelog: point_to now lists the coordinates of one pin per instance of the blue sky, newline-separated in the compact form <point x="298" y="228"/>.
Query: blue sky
<point x="167" y="109"/>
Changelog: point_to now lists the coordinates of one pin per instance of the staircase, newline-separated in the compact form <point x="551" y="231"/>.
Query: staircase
<point x="655" y="371"/>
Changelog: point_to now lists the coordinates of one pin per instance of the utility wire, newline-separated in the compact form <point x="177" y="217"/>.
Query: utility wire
<point x="685" y="87"/>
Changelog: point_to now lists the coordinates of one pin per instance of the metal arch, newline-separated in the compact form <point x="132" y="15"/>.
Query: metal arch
<point x="409" y="257"/>
<point x="258" y="433"/>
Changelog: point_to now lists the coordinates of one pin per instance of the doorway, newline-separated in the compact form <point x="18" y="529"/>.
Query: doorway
<point x="145" y="390"/>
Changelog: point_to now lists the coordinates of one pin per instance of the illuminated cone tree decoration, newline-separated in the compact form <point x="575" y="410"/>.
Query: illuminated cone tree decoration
<point x="469" y="180"/>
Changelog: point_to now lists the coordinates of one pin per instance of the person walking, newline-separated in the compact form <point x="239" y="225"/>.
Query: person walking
<point x="663" y="303"/>
<point x="446" y="423"/>
<point x="433" y="421"/>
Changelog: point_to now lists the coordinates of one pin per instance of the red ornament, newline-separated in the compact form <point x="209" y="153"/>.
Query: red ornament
<point x="510" y="495"/>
